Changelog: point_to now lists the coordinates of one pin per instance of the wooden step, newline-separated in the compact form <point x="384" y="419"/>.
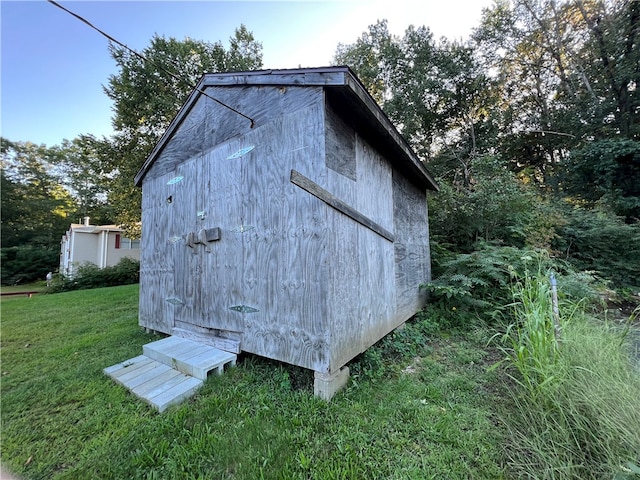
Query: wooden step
<point x="187" y="356"/>
<point x="169" y="371"/>
<point x="154" y="382"/>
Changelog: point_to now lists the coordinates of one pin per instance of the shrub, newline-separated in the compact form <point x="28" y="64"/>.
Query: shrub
<point x="26" y="264"/>
<point x="126" y="272"/>
<point x="492" y="205"/>
<point x="599" y="241"/>
<point x="478" y="284"/>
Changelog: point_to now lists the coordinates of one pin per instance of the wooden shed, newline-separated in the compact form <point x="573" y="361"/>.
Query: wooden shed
<point x="301" y="235"/>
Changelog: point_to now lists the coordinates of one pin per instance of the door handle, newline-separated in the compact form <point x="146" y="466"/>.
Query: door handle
<point x="204" y="236"/>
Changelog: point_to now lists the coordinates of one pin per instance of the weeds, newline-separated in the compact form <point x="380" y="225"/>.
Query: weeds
<point x="533" y="344"/>
<point x="477" y="285"/>
<point x="577" y="402"/>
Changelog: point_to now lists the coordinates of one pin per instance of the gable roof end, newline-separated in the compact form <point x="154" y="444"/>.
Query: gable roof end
<point x="343" y="89"/>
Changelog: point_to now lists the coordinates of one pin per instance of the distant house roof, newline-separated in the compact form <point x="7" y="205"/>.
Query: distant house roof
<point x="79" y="227"/>
<point x="348" y="95"/>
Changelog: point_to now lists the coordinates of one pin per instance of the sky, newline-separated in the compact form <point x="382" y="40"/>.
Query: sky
<point x="53" y="67"/>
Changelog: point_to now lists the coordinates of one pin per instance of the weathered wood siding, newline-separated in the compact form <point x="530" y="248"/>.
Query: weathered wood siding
<point x="271" y="254"/>
<point x="187" y="261"/>
<point x="157" y="255"/>
<point x="412" y="254"/>
<point x="361" y="297"/>
<point x="221" y="205"/>
<point x="285" y="251"/>
<point x="208" y="124"/>
<point x="320" y="245"/>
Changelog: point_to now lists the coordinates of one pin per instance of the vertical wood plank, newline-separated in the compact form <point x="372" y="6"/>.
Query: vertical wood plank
<point x="374" y="186"/>
<point x="188" y="268"/>
<point x="156" y="255"/>
<point x="339" y="145"/>
<point x="363" y="296"/>
<point x="344" y="277"/>
<point x="375" y="199"/>
<point x="222" y="272"/>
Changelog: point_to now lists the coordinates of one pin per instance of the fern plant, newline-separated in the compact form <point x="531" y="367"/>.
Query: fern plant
<point x="479" y="283"/>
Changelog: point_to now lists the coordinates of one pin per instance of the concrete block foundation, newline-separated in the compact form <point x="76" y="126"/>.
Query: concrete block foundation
<point x="326" y="385"/>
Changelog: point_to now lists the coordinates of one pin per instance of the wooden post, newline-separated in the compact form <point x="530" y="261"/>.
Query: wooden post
<point x="556" y="311"/>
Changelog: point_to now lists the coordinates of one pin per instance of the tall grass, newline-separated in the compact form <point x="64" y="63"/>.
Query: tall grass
<point x="577" y="400"/>
<point x="534" y="346"/>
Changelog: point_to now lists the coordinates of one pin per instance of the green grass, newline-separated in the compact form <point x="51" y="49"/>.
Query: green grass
<point x="420" y="410"/>
<point x="576" y="399"/>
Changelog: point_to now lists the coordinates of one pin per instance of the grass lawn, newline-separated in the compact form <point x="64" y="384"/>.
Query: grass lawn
<point x="432" y="414"/>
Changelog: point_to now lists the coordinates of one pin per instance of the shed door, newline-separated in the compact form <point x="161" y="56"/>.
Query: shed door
<point x="208" y="275"/>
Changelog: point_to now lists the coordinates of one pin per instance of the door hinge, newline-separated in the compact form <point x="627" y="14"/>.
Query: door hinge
<point x="243" y="309"/>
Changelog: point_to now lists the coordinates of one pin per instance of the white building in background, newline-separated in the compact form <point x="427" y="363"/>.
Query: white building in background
<point x="102" y="245"/>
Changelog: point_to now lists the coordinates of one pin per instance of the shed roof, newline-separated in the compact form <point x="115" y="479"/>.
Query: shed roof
<point x="343" y="89"/>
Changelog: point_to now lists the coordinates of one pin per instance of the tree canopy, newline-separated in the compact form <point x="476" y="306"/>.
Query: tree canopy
<point x="540" y="83"/>
<point x="36" y="210"/>
<point x="530" y="123"/>
<point x="44" y="189"/>
<point x="146" y="96"/>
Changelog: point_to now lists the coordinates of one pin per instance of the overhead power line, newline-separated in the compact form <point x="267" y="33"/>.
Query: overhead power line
<point x="145" y="59"/>
<point x="543" y="132"/>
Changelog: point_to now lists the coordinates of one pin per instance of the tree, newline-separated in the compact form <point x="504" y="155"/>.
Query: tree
<point x="434" y="92"/>
<point x="371" y="58"/>
<point x="518" y="42"/>
<point x="612" y="55"/>
<point x="567" y="73"/>
<point x="426" y="87"/>
<point x="146" y="98"/>
<point x="36" y="210"/>
<point x="611" y="170"/>
<point x="81" y="169"/>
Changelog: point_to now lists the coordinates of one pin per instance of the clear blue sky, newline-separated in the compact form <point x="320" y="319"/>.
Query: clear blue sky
<point x="54" y="66"/>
